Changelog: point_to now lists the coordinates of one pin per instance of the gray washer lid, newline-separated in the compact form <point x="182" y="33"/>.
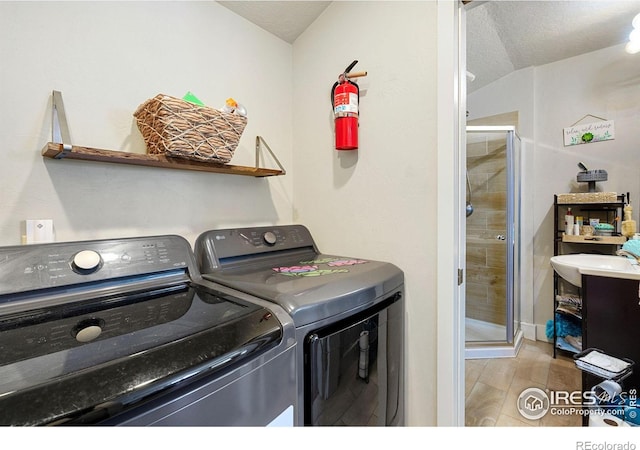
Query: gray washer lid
<point x="315" y="289"/>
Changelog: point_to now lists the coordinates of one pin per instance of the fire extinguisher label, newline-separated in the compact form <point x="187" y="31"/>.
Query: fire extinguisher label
<point x="345" y="102"/>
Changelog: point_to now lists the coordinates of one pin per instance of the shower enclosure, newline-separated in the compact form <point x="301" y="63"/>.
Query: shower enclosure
<point x="492" y="242"/>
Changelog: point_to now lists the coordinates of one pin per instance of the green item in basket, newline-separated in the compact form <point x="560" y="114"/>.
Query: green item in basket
<point x="189" y="97"/>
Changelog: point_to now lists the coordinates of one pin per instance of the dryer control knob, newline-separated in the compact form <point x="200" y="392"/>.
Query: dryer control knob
<point x="86" y="261"/>
<point x="270" y="238"/>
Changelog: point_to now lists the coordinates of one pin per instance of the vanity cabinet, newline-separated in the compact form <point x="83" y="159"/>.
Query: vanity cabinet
<point x="566" y="295"/>
<point x="611" y="323"/>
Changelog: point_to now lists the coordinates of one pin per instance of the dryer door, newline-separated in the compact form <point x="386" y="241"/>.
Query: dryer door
<point x="354" y="369"/>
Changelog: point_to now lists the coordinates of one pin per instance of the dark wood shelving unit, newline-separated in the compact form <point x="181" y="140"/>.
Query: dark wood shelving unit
<point x="564" y="244"/>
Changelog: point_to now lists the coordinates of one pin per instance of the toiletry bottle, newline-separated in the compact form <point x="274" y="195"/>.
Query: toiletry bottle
<point x="628" y="224"/>
<point x="577" y="228"/>
<point x="568" y="222"/>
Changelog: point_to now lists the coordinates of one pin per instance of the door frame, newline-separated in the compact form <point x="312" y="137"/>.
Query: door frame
<point x="451" y="219"/>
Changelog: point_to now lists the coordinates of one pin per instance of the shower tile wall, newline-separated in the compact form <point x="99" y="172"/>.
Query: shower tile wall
<point x="486" y="252"/>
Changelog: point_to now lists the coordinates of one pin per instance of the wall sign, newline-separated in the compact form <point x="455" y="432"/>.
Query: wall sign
<point x="587" y="133"/>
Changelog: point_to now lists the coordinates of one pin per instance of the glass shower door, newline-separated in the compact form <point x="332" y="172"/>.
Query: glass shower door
<point x="493" y="235"/>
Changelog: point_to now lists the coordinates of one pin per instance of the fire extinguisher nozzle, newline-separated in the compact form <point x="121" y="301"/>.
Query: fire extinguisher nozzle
<point x="351" y="66"/>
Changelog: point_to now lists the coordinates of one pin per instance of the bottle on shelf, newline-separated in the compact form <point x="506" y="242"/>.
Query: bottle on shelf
<point x="628" y="224"/>
<point x="568" y="222"/>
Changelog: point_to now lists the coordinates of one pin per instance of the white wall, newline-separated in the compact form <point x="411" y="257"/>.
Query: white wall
<point x="378" y="202"/>
<point x="107" y="58"/>
<point x="605" y="83"/>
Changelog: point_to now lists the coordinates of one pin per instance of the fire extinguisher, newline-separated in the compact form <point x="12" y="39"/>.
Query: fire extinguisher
<point x="345" y="98"/>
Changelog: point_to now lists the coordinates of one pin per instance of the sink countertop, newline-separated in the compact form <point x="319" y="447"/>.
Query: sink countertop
<point x="572" y="267"/>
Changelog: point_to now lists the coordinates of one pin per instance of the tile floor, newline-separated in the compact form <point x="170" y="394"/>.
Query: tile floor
<point x="493" y="386"/>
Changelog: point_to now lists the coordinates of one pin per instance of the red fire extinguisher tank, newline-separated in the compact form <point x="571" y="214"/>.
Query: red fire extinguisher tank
<point x="345" y="96"/>
<point x="345" y="111"/>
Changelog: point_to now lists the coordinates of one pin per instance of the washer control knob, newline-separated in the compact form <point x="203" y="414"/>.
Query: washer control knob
<point x="270" y="238"/>
<point x="88" y="330"/>
<point x="88" y="334"/>
<point x="86" y="261"/>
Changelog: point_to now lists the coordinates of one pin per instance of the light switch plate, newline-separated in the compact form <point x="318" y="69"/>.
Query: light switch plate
<point x="39" y="231"/>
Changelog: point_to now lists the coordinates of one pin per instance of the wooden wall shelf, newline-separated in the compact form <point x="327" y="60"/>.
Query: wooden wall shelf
<point x="55" y="151"/>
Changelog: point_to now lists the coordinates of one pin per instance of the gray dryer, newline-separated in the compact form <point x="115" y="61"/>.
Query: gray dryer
<point x="348" y="314"/>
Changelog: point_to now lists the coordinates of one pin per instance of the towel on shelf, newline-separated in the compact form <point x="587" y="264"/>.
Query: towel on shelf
<point x="605" y="362"/>
<point x="569" y="299"/>
<point x="564" y="327"/>
<point x="633" y="246"/>
<point x="574" y="341"/>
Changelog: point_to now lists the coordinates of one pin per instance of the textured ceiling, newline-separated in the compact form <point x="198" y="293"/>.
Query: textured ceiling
<point x="287" y="19"/>
<point x="502" y="36"/>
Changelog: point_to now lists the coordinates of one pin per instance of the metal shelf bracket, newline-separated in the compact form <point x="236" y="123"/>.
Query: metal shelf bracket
<point x="259" y="142"/>
<point x="59" y="129"/>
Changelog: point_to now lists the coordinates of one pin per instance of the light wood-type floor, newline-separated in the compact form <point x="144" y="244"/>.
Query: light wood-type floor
<point x="493" y="386"/>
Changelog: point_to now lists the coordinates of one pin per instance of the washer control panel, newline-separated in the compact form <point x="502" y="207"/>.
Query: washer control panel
<point x="41" y="266"/>
<point x="234" y="242"/>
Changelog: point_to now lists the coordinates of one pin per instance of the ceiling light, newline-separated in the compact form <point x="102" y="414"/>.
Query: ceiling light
<point x="632" y="47"/>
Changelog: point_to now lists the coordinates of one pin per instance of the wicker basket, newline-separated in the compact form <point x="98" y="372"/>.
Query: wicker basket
<point x="181" y="129"/>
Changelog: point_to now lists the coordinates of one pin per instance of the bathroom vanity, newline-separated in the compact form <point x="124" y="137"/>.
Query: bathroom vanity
<point x="611" y="322"/>
<point x="610" y="317"/>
